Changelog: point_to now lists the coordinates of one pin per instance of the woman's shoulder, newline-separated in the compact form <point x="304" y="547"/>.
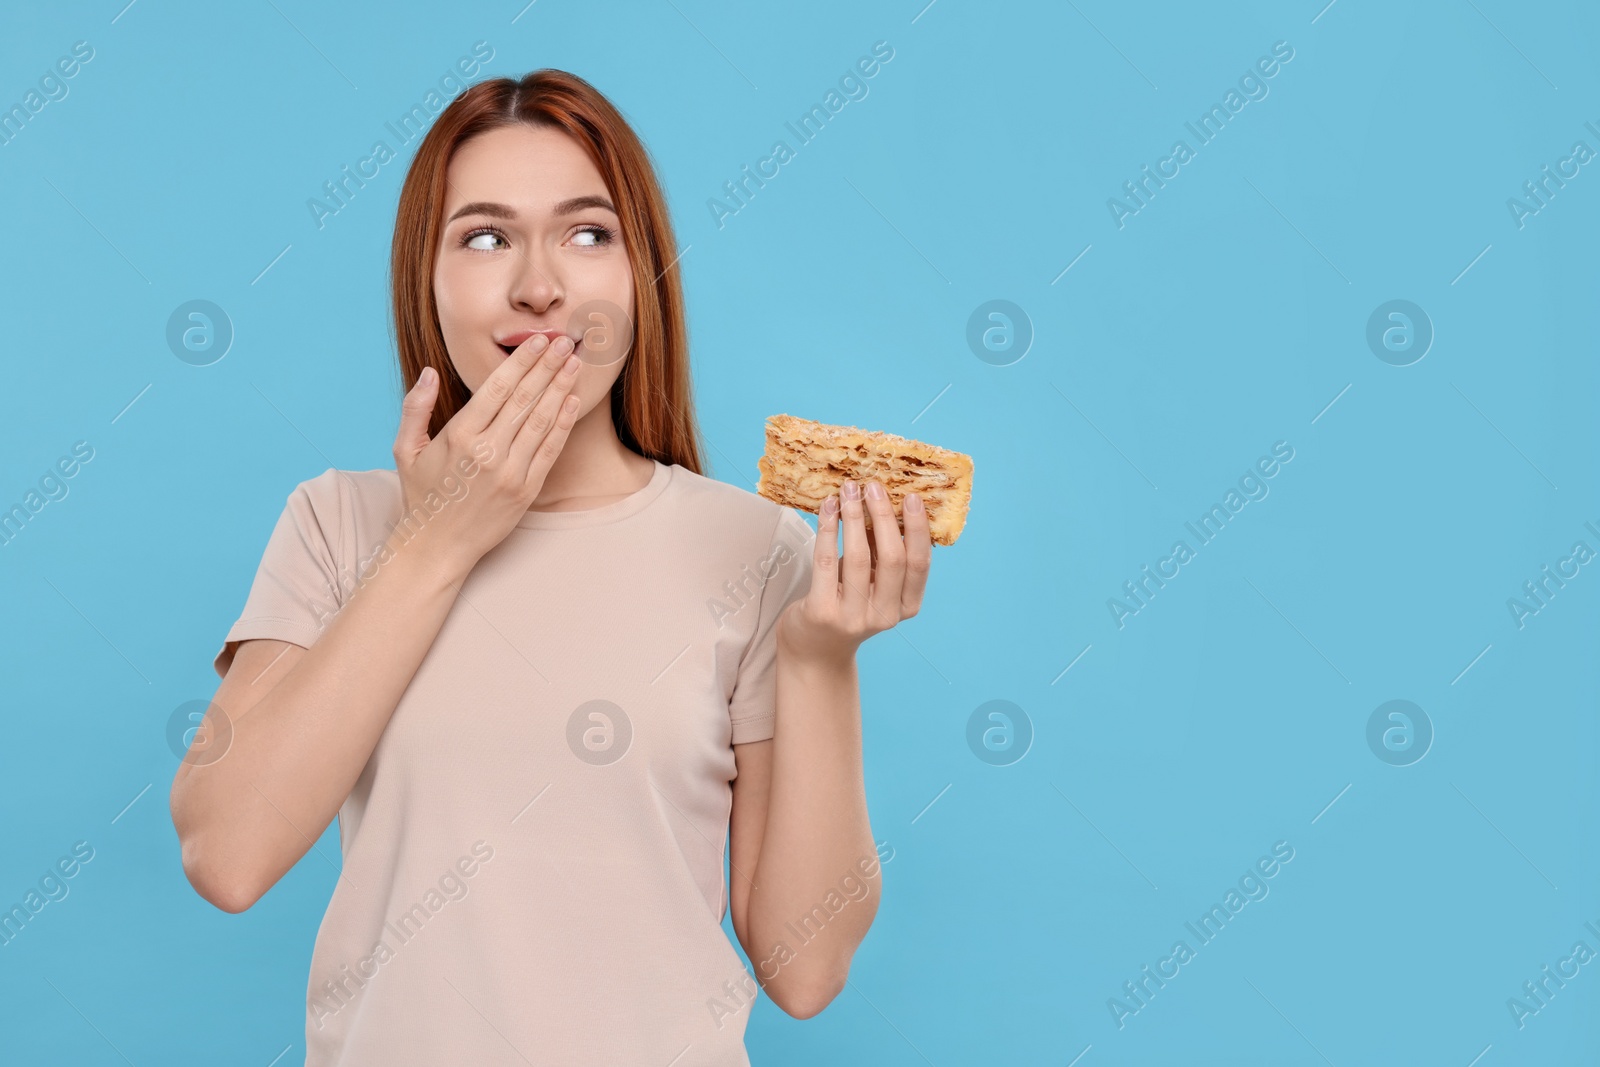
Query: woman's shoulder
<point x="724" y="496"/>
<point x="337" y="479"/>
<point x="732" y="505"/>
<point x="351" y="492"/>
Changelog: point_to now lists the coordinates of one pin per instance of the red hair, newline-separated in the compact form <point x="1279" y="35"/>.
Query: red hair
<point x="652" y="402"/>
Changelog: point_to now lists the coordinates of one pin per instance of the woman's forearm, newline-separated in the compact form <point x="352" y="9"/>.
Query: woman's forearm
<point x="296" y="752"/>
<point x="811" y="893"/>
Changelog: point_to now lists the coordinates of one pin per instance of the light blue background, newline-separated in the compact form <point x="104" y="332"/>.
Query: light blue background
<point x="1224" y="316"/>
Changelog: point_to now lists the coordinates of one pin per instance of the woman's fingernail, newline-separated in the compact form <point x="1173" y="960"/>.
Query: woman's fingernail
<point x="830" y="507"/>
<point x="852" y="491"/>
<point x="875" y="490"/>
<point x="913" y="503"/>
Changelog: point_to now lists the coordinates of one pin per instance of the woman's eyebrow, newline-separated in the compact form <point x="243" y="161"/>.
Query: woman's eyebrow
<point x="578" y="203"/>
<point x="503" y="211"/>
<point x="482" y="207"/>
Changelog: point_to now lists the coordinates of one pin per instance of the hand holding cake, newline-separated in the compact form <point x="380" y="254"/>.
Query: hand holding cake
<point x="918" y="492"/>
<point x="806" y="461"/>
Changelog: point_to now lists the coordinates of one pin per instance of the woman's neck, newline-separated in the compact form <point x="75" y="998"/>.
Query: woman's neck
<point x="594" y="468"/>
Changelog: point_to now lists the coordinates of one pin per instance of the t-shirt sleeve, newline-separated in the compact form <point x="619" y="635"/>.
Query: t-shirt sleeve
<point x="296" y="589"/>
<point x="753" y="707"/>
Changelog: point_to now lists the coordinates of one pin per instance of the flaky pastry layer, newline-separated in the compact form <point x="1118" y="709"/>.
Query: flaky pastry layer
<point x="806" y="462"/>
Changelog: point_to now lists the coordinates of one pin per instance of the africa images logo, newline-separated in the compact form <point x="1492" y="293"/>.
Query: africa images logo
<point x="1211" y="123"/>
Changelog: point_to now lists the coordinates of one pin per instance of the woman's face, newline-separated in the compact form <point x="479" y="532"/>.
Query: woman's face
<point x="532" y="244"/>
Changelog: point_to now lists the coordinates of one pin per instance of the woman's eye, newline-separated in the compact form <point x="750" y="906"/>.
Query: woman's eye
<point x="593" y="237"/>
<point x="482" y="240"/>
<point x="475" y="240"/>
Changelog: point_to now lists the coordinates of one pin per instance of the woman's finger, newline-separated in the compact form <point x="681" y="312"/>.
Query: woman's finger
<point x="919" y="553"/>
<point x="825" y="553"/>
<point x="525" y="393"/>
<point x="415" y="410"/>
<point x="889" y="564"/>
<point x="856" y="572"/>
<point x="547" y="417"/>
<point x="488" y="399"/>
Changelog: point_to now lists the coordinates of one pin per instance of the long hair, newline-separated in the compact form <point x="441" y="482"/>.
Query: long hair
<point x="652" y="402"/>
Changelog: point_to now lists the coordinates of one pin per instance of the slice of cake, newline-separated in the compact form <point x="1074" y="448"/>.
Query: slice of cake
<point x="806" y="462"/>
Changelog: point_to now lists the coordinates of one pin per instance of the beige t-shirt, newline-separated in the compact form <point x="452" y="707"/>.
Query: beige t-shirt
<point x="534" y="854"/>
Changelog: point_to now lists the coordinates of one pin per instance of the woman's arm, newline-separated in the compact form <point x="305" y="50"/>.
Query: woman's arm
<point x="800" y="805"/>
<point x="806" y="876"/>
<point x="303" y="724"/>
<point x="303" y="727"/>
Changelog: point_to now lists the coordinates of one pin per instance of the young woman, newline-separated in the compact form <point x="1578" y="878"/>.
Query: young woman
<point x="545" y="668"/>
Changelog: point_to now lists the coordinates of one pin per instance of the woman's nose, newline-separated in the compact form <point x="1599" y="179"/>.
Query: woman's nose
<point x="536" y="281"/>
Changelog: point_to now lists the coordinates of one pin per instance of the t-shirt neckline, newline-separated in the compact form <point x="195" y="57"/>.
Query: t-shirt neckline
<point x="631" y="504"/>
